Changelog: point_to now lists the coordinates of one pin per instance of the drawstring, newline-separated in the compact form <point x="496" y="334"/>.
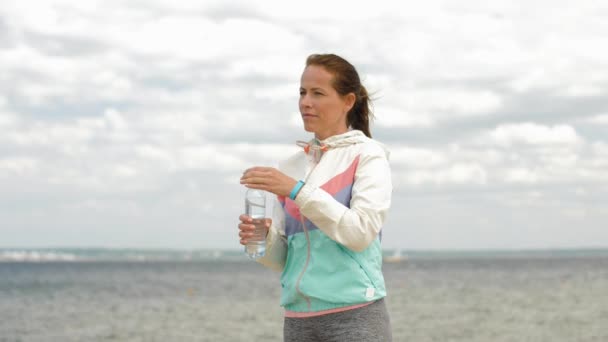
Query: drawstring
<point x="313" y="148"/>
<point x="312" y="144"/>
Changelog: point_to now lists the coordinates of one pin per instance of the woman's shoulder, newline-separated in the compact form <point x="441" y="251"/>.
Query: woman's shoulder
<point x="371" y="147"/>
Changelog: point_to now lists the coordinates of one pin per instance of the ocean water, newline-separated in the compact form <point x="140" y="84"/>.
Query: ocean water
<point x="480" y="298"/>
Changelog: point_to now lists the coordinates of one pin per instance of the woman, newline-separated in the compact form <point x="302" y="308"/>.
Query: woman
<point x="332" y="200"/>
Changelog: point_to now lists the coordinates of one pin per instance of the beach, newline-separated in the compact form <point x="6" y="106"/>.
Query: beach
<point x="539" y="298"/>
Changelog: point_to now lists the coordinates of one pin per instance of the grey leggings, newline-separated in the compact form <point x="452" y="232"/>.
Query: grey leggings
<point x="370" y="323"/>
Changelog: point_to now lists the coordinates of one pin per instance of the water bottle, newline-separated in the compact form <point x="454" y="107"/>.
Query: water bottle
<point x="255" y="207"/>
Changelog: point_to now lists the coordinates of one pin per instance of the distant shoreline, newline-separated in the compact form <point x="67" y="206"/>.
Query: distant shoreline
<point x="84" y="254"/>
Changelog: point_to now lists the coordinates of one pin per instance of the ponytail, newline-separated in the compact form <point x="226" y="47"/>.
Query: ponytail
<point x="359" y="116"/>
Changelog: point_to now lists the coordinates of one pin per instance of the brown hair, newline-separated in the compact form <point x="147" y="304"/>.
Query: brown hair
<point x="345" y="81"/>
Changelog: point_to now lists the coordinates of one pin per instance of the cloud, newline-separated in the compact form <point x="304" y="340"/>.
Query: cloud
<point x="124" y="123"/>
<point x="534" y="134"/>
<point x="601" y="119"/>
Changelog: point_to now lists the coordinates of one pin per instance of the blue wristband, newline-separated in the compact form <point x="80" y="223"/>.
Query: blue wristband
<point x="295" y="190"/>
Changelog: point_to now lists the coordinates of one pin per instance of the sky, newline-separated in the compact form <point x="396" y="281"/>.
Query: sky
<point x="127" y="124"/>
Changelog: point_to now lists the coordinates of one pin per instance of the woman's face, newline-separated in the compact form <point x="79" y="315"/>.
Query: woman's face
<point x="323" y="109"/>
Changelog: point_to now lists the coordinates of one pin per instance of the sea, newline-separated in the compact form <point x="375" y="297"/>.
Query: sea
<point x="166" y="295"/>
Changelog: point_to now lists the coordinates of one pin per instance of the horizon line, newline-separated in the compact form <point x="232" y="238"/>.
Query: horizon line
<point x="403" y="249"/>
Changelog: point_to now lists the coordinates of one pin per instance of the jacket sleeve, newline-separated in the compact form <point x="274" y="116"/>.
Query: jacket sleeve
<point x="276" y="243"/>
<point x="355" y="227"/>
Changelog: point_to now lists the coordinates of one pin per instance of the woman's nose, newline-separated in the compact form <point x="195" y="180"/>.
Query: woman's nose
<point x="305" y="101"/>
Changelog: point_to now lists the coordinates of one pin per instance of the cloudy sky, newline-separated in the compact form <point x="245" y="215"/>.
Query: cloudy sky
<point x="128" y="123"/>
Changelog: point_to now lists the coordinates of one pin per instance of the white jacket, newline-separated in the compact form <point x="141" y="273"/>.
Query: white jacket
<point x="354" y="225"/>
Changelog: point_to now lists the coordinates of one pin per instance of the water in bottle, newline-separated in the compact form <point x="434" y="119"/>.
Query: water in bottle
<point x="255" y="207"/>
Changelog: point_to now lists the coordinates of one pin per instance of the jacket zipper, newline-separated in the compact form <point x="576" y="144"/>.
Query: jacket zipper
<point x="306" y="298"/>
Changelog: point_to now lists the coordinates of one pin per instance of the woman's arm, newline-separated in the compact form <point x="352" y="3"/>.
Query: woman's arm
<point x="355" y="227"/>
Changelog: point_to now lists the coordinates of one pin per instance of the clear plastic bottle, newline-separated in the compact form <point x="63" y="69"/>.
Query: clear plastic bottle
<point x="255" y="207"/>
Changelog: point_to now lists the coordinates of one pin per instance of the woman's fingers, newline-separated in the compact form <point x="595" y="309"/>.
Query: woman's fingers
<point x="256" y="175"/>
<point x="268" y="179"/>
<point x="245" y="234"/>
<point x="245" y="218"/>
<point x="246" y="231"/>
<point x="245" y="227"/>
<point x="257" y="179"/>
<point x="258" y="169"/>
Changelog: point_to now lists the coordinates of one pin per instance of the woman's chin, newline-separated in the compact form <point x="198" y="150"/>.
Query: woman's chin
<point x="308" y="128"/>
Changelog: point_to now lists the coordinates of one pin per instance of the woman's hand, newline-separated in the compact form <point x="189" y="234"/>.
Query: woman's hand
<point x="268" y="179"/>
<point x="246" y="228"/>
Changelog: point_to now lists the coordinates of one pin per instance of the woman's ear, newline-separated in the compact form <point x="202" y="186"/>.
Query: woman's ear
<point x="349" y="101"/>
